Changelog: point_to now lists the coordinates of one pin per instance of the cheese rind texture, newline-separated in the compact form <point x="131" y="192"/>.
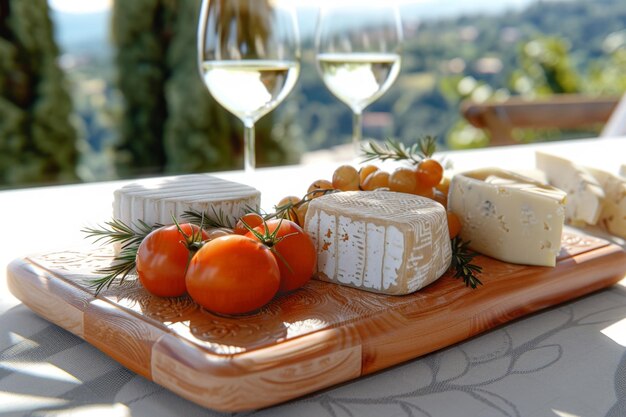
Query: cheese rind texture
<point x="379" y="241"/>
<point x="584" y="193"/>
<point x="156" y="200"/>
<point x="507" y="216"/>
<point x="613" y="215"/>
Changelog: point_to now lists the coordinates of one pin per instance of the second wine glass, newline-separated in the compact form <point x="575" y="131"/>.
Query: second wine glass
<point x="249" y="53"/>
<point x="358" y="53"/>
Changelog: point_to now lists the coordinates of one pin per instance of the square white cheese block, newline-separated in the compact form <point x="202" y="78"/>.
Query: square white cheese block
<point x="508" y="216"/>
<point x="380" y="241"/>
<point x="156" y="200"/>
<point x="613" y="215"/>
<point x="584" y="193"/>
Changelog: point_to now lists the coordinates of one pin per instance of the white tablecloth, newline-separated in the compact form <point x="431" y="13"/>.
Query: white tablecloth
<point x="569" y="360"/>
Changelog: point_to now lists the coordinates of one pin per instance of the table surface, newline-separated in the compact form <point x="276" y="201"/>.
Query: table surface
<point x="569" y="360"/>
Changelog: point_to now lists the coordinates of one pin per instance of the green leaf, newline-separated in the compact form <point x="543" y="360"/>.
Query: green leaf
<point x="462" y="263"/>
<point x="395" y="150"/>
<point x="217" y="218"/>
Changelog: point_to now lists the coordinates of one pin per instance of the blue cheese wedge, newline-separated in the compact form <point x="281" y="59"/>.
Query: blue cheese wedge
<point x="380" y="241"/>
<point x="584" y="193"/>
<point x="613" y="215"/>
<point x="508" y="216"/>
<point x="158" y="200"/>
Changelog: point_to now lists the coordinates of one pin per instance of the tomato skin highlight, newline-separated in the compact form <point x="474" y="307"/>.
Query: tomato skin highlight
<point x="252" y="220"/>
<point x="233" y="275"/>
<point x="162" y="258"/>
<point x="429" y="173"/>
<point x="297" y="257"/>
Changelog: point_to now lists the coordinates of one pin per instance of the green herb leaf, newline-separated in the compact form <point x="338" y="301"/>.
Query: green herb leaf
<point x="116" y="231"/>
<point x="217" y="218"/>
<point x="462" y="263"/>
<point x="394" y="150"/>
<point x="427" y="145"/>
<point x="122" y="265"/>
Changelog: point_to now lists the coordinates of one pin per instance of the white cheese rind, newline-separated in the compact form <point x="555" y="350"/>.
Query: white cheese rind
<point x="380" y="241"/>
<point x="507" y="216"/>
<point x="584" y="193"/>
<point x="613" y="215"/>
<point x="156" y="200"/>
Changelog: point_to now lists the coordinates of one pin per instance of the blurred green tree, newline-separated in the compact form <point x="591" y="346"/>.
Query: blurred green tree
<point x="608" y="75"/>
<point x="199" y="134"/>
<point x="545" y="68"/>
<point x="37" y="140"/>
<point x="142" y="31"/>
<point x="171" y="123"/>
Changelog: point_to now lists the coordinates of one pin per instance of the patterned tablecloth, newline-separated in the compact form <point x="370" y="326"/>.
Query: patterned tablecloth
<point x="566" y="361"/>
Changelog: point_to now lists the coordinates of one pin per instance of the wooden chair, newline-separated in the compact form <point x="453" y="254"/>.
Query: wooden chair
<point x="565" y="111"/>
<point x="616" y="125"/>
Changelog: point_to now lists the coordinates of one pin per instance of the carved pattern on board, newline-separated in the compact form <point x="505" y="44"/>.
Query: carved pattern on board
<point x="574" y="241"/>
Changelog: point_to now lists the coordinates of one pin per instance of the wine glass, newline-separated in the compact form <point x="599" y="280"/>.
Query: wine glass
<point x="358" y="49"/>
<point x="249" y="58"/>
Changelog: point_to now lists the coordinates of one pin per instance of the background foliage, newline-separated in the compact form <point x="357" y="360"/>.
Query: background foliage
<point x="170" y="123"/>
<point x="37" y="140"/>
<point x="140" y="107"/>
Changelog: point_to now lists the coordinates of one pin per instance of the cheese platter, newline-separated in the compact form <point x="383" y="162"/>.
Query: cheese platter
<point x="318" y="336"/>
<point x="235" y="309"/>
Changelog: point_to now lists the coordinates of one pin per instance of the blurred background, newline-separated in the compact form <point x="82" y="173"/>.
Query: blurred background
<point x="101" y="89"/>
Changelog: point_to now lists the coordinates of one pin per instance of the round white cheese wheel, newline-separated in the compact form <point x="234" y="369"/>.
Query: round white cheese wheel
<point x="159" y="200"/>
<point x="381" y="241"/>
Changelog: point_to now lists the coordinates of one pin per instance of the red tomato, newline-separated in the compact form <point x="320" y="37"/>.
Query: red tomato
<point x="252" y="220"/>
<point x="296" y="257"/>
<point x="233" y="275"/>
<point x="162" y="258"/>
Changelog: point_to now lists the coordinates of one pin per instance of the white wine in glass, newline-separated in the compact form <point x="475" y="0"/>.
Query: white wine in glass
<point x="358" y="53"/>
<point x="249" y="53"/>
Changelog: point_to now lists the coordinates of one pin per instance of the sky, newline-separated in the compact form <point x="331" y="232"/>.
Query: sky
<point x="451" y="6"/>
<point x="79" y="6"/>
<point x="90" y="6"/>
<point x="81" y="22"/>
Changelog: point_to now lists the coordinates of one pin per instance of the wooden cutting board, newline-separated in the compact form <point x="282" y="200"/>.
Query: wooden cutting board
<point x="316" y="337"/>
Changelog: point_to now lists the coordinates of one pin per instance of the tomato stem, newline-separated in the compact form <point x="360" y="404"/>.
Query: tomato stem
<point x="193" y="242"/>
<point x="270" y="240"/>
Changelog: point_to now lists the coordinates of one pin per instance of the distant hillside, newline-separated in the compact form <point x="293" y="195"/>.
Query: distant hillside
<point x="424" y="99"/>
<point x="425" y="10"/>
<point x="445" y="41"/>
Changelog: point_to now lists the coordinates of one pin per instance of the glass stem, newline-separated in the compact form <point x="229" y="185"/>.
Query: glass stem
<point x="357" y="131"/>
<point x="249" y="160"/>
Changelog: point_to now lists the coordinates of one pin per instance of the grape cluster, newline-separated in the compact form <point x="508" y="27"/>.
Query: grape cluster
<point x="426" y="179"/>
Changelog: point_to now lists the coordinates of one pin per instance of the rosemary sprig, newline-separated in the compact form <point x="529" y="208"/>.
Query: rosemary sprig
<point x="123" y="263"/>
<point x="393" y="150"/>
<point x="117" y="231"/>
<point x="205" y="219"/>
<point x="462" y="263"/>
